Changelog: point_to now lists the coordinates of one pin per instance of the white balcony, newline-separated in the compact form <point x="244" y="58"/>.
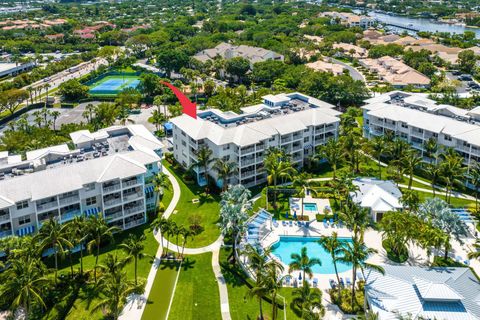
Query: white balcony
<point x="69" y="200"/>
<point x="46" y="206"/>
<point x="112" y="202"/>
<point x="114" y="216"/>
<point x="131" y="183"/>
<point x="4" y="217"/>
<point x="70" y="215"/>
<point x="135" y="209"/>
<point x="132" y="196"/>
<point x="112" y="188"/>
<point x="134" y="223"/>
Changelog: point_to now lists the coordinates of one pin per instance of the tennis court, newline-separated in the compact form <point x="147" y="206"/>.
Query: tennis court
<point x="112" y="85"/>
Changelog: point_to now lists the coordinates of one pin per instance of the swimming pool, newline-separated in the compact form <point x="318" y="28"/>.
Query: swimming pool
<point x="310" y="207"/>
<point x="288" y="245"/>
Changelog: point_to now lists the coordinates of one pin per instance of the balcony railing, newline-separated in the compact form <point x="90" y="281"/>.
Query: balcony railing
<point x="246" y="162"/>
<point x="114" y="216"/>
<point x="247" y="150"/>
<point x="131" y="183"/>
<point x="48" y="205"/>
<point x="112" y="202"/>
<point x="247" y="174"/>
<point x="135" y="223"/>
<point x="70" y="215"/>
<point x="111" y="188"/>
<point x="4" y="217"/>
<point x="133" y="210"/>
<point x="69" y="200"/>
<point x="132" y="196"/>
<point x="4" y="234"/>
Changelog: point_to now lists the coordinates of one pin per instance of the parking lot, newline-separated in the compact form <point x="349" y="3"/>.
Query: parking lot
<point x="467" y="83"/>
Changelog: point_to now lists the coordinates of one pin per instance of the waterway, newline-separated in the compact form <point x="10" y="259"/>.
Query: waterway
<point x="420" y="23"/>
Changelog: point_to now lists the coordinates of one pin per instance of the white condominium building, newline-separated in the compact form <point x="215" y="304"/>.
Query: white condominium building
<point x="109" y="171"/>
<point x="416" y="119"/>
<point x="295" y="122"/>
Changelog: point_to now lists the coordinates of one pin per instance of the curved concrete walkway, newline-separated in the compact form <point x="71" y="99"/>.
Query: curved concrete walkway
<point x="133" y="310"/>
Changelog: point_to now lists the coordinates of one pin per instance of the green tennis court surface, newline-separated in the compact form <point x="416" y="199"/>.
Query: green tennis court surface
<point x="112" y="85"/>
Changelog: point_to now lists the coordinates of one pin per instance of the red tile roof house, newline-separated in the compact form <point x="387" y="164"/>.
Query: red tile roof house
<point x="57" y="36"/>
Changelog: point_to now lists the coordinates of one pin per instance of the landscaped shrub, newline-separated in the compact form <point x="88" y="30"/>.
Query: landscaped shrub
<point x="401" y="258"/>
<point x="345" y="301"/>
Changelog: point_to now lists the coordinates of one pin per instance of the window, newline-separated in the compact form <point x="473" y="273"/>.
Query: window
<point x="91" y="201"/>
<point x="306" y="139"/>
<point x="184" y="143"/>
<point x="447" y="137"/>
<point x="226" y="147"/>
<point x="89" y="187"/>
<point x="149" y="166"/>
<point x="183" y="134"/>
<point x="24" y="220"/>
<point x="22" y="205"/>
<point x="404" y="125"/>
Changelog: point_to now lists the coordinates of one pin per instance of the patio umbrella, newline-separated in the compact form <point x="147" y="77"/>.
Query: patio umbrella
<point x="300" y="276"/>
<point x="286" y="214"/>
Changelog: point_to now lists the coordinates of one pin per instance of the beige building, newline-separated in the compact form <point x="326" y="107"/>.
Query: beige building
<point x="323" y="66"/>
<point x="349" y="19"/>
<point x="395" y="72"/>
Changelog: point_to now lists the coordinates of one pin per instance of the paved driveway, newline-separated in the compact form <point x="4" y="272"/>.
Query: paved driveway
<point x="354" y="73"/>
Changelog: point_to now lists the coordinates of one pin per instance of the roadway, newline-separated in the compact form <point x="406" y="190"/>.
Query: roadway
<point x="354" y="73"/>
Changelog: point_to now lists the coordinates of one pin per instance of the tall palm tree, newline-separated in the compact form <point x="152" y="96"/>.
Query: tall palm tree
<point x="357" y="219"/>
<point x="99" y="231"/>
<point x="474" y="174"/>
<point x="204" y="159"/>
<point x="302" y="182"/>
<point x="307" y="300"/>
<point x="333" y="246"/>
<point x="160" y="182"/>
<point x="356" y="254"/>
<point x="24" y="281"/>
<point x="431" y="149"/>
<point x="115" y="289"/>
<point x="186" y="234"/>
<point x="333" y="152"/>
<point x="124" y="116"/>
<point x="476" y="253"/>
<point x="258" y="262"/>
<point x="55" y="114"/>
<point x="410" y="161"/>
<point x="112" y="264"/>
<point x="157" y="119"/>
<point x="410" y="200"/>
<point x="53" y="235"/>
<point x="160" y="224"/>
<point x="134" y="247"/>
<point x="273" y="281"/>
<point x="452" y="171"/>
<point x="278" y="166"/>
<point x="225" y="170"/>
<point x="303" y="263"/>
<point x="79" y="229"/>
<point x="46" y="86"/>
<point x="30" y="93"/>
<point x="379" y="147"/>
<point x="434" y="171"/>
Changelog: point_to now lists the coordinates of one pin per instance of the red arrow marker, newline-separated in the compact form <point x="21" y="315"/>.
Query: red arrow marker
<point x="189" y="107"/>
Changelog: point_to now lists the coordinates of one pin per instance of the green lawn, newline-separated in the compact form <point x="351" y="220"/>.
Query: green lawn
<point x="207" y="208"/>
<point x="196" y="295"/>
<point x="455" y="202"/>
<point x="242" y="307"/>
<point x="162" y="290"/>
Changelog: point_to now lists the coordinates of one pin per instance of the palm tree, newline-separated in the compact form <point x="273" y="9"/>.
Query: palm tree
<point x="185" y="233"/>
<point x="356" y="254"/>
<point x="89" y="112"/>
<point x="160" y="182"/>
<point x="431" y="149"/>
<point x="452" y="171"/>
<point x="303" y="183"/>
<point x="78" y="228"/>
<point x="303" y="263"/>
<point x="160" y="224"/>
<point x="474" y="174"/>
<point x="333" y="152"/>
<point x="258" y="262"/>
<point x="53" y="235"/>
<point x="259" y="291"/>
<point x="410" y="161"/>
<point x="55" y="114"/>
<point x="308" y="300"/>
<point x="30" y="93"/>
<point x="46" y="86"/>
<point x="124" y="116"/>
<point x="273" y="281"/>
<point x="24" y="281"/>
<point x="134" y="246"/>
<point x="115" y="289"/>
<point x="475" y="254"/>
<point x="410" y="200"/>
<point x="224" y="170"/>
<point x="434" y="171"/>
<point x="204" y="159"/>
<point x="333" y="246"/>
<point x="112" y="264"/>
<point x="157" y="119"/>
<point x="278" y="166"/>
<point x="379" y="147"/>
<point x="98" y="231"/>
<point x="37" y="118"/>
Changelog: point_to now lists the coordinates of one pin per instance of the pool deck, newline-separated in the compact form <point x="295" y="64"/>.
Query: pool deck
<point x="295" y="206"/>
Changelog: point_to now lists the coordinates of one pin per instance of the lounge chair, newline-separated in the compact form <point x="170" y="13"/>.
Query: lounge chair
<point x="331" y="222"/>
<point x="307" y="224"/>
<point x="290" y="223"/>
<point x="360" y="276"/>
<point x="349" y="282"/>
<point x="284" y="223"/>
<point x="466" y="262"/>
<point x="315" y="282"/>
<point x="325" y="224"/>
<point x="333" y="284"/>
